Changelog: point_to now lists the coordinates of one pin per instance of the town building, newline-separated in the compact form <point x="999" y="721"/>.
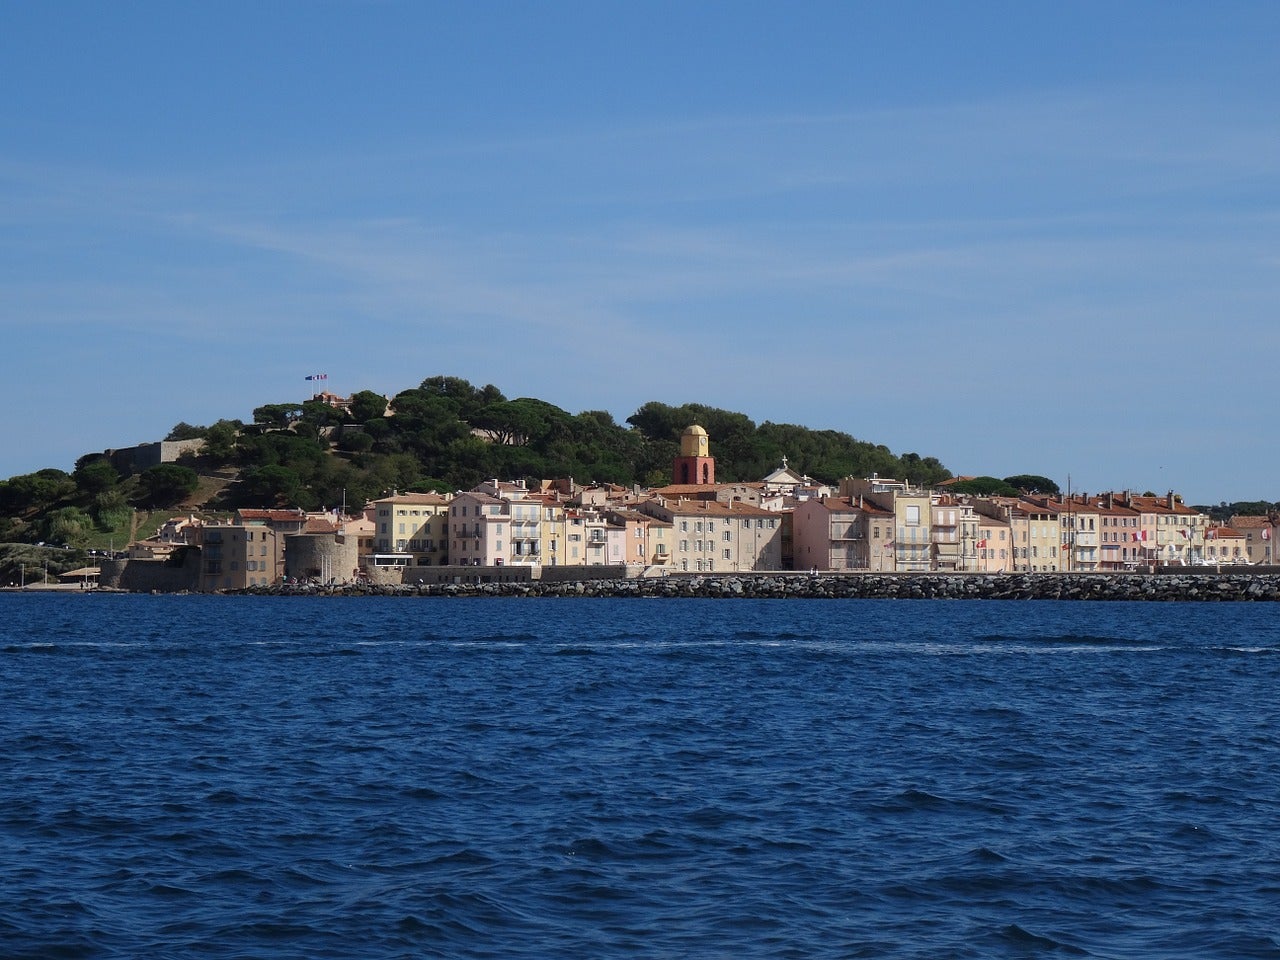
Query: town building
<point x="479" y="530"/>
<point x="234" y="556"/>
<point x="411" y="530"/>
<point x="1259" y="535"/>
<point x="1224" y="544"/>
<point x="831" y="534"/>
<point x="713" y="537"/>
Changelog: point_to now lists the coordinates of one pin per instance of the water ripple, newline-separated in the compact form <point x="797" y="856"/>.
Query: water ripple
<point x="642" y="779"/>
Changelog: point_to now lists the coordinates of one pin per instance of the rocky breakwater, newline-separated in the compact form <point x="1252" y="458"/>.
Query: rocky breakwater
<point x="930" y="586"/>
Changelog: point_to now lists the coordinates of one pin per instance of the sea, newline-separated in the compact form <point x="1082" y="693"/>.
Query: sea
<point x="267" y="777"/>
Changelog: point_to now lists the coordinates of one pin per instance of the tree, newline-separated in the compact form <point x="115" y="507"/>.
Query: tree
<point x="278" y="415"/>
<point x="465" y="398"/>
<point x="186" y="431"/>
<point x="267" y="486"/>
<point x="31" y="492"/>
<point x="95" y="476"/>
<point x="68" y="525"/>
<point x="518" y="422"/>
<point x="322" y="414"/>
<point x="220" y="441"/>
<point x="1031" y="483"/>
<point x="167" y="484"/>
<point x="923" y="471"/>
<point x="984" y="487"/>
<point x="355" y="441"/>
<point x="367" y="405"/>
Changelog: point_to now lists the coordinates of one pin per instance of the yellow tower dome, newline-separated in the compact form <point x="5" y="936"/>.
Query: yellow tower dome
<point x="694" y="442"/>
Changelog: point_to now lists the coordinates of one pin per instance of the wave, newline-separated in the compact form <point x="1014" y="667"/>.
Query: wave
<point x="1067" y="639"/>
<point x="1018" y="937"/>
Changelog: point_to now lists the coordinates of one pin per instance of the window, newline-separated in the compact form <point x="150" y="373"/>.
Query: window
<point x="726" y="553"/>
<point x="727" y="536"/>
<point x="913" y="513"/>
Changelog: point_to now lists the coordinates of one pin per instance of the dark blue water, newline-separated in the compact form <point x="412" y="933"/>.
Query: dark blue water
<point x="234" y="777"/>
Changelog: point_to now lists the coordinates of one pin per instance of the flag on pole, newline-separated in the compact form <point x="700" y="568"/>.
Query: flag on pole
<point x="318" y="376"/>
<point x="1266" y="533"/>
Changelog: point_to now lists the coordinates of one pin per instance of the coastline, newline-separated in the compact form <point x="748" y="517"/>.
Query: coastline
<point x="1162" y="587"/>
<point x="1169" y="587"/>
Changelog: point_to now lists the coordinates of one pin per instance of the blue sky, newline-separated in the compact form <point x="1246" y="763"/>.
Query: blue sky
<point x="1023" y="237"/>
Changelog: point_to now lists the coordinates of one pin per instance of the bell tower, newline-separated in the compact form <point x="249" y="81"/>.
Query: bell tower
<point x="695" y="465"/>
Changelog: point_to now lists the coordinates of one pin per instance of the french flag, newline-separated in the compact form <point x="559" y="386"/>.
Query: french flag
<point x="318" y="376"/>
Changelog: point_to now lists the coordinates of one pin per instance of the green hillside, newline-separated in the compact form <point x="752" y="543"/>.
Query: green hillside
<point x="444" y="434"/>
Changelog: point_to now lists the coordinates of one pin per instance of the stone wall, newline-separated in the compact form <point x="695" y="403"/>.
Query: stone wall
<point x="152" y="576"/>
<point x="930" y="586"/>
<point x="146" y="455"/>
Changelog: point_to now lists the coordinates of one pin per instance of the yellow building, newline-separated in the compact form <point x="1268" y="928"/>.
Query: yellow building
<point x="411" y="529"/>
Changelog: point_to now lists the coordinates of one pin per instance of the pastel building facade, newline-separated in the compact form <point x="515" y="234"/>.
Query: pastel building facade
<point x="411" y="529"/>
<point x="479" y="530"/>
<point x="235" y="556"/>
<point x="713" y="537"/>
<point x="1259" y="535"/>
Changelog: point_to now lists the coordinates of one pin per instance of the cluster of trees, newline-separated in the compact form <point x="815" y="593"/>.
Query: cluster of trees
<point x="1223" y="511"/>
<point x="445" y="434"/>
<point x="1014" y="486"/>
